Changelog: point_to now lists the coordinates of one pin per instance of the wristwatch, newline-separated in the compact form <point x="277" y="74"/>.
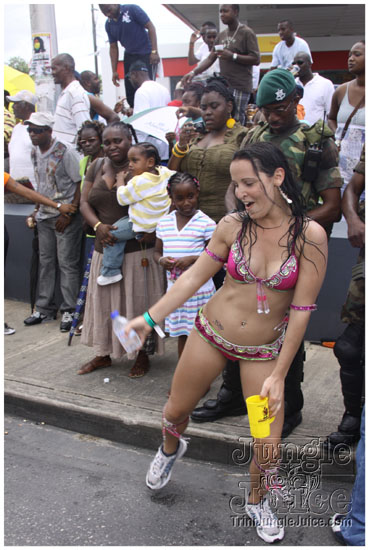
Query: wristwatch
<point x="235" y="56"/>
<point x="58" y="205"/>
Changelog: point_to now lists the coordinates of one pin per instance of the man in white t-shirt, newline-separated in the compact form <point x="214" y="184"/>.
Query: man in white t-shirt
<point x="73" y="106"/>
<point x="20" y="145"/>
<point x="208" y="33"/>
<point x="285" y="51"/>
<point x="149" y="94"/>
<point x="318" y="90"/>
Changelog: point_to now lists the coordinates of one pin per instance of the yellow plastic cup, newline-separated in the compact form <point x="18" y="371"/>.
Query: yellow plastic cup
<point x="258" y="412"/>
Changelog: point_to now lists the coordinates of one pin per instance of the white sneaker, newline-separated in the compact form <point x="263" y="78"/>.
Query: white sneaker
<point x="267" y="525"/>
<point x="8" y="330"/>
<point x="102" y="280"/>
<point x="161" y="467"/>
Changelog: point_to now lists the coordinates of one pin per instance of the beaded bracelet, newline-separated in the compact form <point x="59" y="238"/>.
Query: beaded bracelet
<point x="313" y="307"/>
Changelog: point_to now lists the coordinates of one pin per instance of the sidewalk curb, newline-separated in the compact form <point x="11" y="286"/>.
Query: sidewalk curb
<point x="142" y="428"/>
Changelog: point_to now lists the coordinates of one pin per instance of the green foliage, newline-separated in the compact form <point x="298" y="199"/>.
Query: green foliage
<point x="19" y="64"/>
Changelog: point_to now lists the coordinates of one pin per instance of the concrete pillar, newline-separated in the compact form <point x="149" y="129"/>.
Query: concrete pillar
<point x="44" y="48"/>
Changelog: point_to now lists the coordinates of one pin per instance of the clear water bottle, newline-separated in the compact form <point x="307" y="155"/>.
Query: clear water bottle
<point x="131" y="342"/>
<point x="294" y="69"/>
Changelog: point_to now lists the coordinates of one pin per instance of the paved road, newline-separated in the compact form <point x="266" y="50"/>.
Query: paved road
<point x="68" y="489"/>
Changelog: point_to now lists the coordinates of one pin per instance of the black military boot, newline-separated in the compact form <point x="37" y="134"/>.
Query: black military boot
<point x="229" y="401"/>
<point x="293" y="397"/>
<point x="348" y="432"/>
<point x="349" y="350"/>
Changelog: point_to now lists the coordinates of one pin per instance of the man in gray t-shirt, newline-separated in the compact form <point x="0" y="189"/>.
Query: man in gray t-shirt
<point x="238" y="51"/>
<point x="57" y="174"/>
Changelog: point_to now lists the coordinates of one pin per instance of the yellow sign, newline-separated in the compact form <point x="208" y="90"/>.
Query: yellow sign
<point x="267" y="42"/>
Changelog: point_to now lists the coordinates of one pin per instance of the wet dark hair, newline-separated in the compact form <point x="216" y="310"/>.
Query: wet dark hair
<point x="149" y="151"/>
<point x="126" y="129"/>
<point x="266" y="158"/>
<point x="196" y="88"/>
<point x="220" y="85"/>
<point x="181" y="177"/>
<point x="95" y="125"/>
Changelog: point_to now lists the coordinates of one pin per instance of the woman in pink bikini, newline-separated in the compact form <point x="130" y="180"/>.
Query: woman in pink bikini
<point x="276" y="261"/>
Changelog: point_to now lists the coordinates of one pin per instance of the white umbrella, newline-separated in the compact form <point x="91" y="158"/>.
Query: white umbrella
<point x="156" y="122"/>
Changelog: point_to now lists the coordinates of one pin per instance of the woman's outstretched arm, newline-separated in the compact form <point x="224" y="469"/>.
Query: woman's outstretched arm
<point x="191" y="280"/>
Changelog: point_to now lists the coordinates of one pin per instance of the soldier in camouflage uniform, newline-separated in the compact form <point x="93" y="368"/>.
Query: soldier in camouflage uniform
<point x="320" y="184"/>
<point x="349" y="347"/>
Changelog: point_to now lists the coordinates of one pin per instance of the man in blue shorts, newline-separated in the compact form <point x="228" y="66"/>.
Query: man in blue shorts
<point x="131" y="26"/>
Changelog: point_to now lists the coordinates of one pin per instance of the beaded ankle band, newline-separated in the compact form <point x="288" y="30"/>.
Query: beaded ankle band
<point x="271" y="481"/>
<point x="171" y="428"/>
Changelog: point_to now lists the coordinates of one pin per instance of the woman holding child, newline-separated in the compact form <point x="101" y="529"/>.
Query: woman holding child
<point x="100" y="208"/>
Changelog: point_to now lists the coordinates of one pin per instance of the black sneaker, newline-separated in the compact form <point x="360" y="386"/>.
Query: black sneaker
<point x="66" y="321"/>
<point x="36" y="318"/>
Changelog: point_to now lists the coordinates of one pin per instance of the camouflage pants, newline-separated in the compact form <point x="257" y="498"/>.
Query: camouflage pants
<point x="353" y="310"/>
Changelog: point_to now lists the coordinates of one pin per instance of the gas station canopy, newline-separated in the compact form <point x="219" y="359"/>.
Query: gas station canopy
<point x="308" y="19"/>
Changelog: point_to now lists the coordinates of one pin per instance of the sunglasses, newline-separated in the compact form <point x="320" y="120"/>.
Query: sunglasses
<point x="277" y="110"/>
<point x="299" y="62"/>
<point x="36" y="130"/>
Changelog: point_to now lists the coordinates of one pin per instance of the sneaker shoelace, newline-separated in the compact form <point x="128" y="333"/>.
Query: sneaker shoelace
<point x="268" y="520"/>
<point x="159" y="465"/>
<point x="67" y="317"/>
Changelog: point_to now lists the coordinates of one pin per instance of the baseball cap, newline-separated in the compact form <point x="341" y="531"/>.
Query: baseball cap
<point x="41" y="119"/>
<point x="23" y="95"/>
<point x="138" y="66"/>
<point x="275" y="86"/>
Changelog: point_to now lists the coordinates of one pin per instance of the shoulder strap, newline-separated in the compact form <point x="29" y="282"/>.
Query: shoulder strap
<point x="361" y="102"/>
<point x="254" y="134"/>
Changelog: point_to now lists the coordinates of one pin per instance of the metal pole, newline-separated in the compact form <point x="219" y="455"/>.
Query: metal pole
<point x="44" y="48"/>
<point x="94" y="38"/>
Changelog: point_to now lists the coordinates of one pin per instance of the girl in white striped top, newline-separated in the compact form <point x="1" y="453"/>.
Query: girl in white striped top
<point x="181" y="236"/>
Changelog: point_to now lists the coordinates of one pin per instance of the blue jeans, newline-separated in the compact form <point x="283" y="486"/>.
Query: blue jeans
<point x="353" y="526"/>
<point x="113" y="256"/>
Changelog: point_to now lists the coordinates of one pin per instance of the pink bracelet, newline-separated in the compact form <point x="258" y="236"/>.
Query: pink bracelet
<point x="313" y="307"/>
<point x="214" y="256"/>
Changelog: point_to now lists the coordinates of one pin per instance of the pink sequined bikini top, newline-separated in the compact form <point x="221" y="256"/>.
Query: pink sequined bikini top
<point x="284" y="279"/>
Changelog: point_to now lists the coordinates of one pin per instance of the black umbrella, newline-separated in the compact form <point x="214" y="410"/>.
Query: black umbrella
<point x="81" y="296"/>
<point x="34" y="268"/>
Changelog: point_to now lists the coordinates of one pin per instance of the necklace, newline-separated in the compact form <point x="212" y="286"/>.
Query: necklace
<point x="231" y="39"/>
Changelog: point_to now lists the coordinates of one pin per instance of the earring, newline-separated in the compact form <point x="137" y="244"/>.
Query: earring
<point x="286" y="198"/>
<point x="230" y="122"/>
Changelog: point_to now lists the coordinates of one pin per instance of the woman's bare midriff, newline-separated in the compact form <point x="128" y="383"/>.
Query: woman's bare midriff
<point x="232" y="312"/>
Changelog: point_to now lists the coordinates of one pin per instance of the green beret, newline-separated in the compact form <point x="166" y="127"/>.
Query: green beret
<point x="275" y="86"/>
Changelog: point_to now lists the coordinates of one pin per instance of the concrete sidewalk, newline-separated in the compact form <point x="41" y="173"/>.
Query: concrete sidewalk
<point x="41" y="383"/>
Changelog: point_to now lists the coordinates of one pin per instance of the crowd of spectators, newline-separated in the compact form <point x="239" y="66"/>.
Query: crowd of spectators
<point x="77" y="156"/>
